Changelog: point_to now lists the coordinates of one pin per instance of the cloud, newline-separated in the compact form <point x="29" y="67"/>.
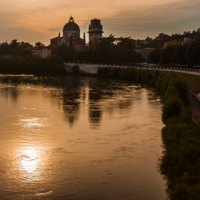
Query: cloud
<point x="47" y="17"/>
<point x="55" y="29"/>
<point x="158" y="14"/>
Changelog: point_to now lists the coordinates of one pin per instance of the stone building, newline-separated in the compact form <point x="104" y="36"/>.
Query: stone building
<point x="145" y="52"/>
<point x="170" y="43"/>
<point x="40" y="51"/>
<point x="71" y="37"/>
<point x="95" y="30"/>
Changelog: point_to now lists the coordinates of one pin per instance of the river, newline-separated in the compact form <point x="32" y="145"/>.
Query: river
<point x="79" y="138"/>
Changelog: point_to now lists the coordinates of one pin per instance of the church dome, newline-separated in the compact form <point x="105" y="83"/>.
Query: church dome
<point x="71" y="26"/>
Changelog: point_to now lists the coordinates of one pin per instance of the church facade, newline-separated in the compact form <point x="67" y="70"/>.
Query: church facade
<point x="71" y="35"/>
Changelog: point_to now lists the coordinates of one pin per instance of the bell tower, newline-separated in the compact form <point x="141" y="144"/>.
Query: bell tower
<point x="95" y="30"/>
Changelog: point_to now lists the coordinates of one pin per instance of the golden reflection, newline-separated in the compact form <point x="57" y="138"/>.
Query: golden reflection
<point x="30" y="162"/>
<point x="33" y="122"/>
<point x="30" y="159"/>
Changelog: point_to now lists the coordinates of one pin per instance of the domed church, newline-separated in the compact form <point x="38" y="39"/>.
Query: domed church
<point x="71" y="37"/>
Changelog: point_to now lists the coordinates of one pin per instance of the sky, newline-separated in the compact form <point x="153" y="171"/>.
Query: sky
<point x="40" y="20"/>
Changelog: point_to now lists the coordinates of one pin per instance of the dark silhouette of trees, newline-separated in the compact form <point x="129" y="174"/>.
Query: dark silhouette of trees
<point x="31" y="64"/>
<point x="167" y="54"/>
<point x="154" y="56"/>
<point x="108" y="49"/>
<point x="192" y="52"/>
<point x="186" y="54"/>
<point x="179" y="54"/>
<point x="15" y="48"/>
<point x="75" y="69"/>
<point x="39" y="44"/>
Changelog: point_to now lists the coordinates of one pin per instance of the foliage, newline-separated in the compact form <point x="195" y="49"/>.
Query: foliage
<point x="154" y="56"/>
<point x="75" y="69"/>
<point x="39" y="44"/>
<point x="167" y="54"/>
<point x="108" y="49"/>
<point x="15" y="48"/>
<point x="192" y="53"/>
<point x="28" y="65"/>
<point x="171" y="108"/>
<point x="187" y="54"/>
<point x="179" y="54"/>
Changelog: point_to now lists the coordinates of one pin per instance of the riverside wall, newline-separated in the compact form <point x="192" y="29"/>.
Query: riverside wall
<point x="92" y="68"/>
<point x="89" y="68"/>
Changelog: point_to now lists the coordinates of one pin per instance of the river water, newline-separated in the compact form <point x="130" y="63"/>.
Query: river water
<point x="79" y="138"/>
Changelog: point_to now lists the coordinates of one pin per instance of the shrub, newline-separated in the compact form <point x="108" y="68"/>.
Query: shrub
<point x="102" y="71"/>
<point x="171" y="108"/>
<point x="171" y="92"/>
<point x="181" y="86"/>
<point x="75" y="69"/>
<point x="115" y="71"/>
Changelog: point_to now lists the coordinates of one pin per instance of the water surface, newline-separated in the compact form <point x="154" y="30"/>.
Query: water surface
<point x="79" y="138"/>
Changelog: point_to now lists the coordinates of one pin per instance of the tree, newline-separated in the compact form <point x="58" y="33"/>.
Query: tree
<point x="14" y="44"/>
<point x="4" y="48"/>
<point x="154" y="56"/>
<point x="179" y="54"/>
<point x="105" y="49"/>
<point x="75" y="69"/>
<point x="167" y="54"/>
<point x="25" y="45"/>
<point x="192" y="53"/>
<point x="171" y="108"/>
<point x="39" y="44"/>
<point x="125" y="43"/>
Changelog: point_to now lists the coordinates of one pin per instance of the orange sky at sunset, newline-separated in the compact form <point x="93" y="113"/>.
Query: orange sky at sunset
<point x="40" y="20"/>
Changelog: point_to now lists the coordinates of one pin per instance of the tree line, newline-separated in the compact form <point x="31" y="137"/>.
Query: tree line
<point x="187" y="54"/>
<point x="31" y="65"/>
<point x="108" y="49"/>
<point x="15" y="48"/>
<point x="16" y="59"/>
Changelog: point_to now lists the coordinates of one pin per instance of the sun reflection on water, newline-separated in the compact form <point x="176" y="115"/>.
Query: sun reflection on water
<point x="31" y="153"/>
<point x="30" y="159"/>
<point x="33" y="122"/>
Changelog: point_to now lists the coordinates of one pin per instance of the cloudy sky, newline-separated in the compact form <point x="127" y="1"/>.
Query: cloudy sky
<point x="40" y="20"/>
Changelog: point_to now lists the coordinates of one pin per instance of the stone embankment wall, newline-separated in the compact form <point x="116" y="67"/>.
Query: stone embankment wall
<point x="92" y="68"/>
<point x="89" y="68"/>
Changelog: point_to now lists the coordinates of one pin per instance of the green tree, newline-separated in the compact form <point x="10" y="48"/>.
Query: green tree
<point x="171" y="108"/>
